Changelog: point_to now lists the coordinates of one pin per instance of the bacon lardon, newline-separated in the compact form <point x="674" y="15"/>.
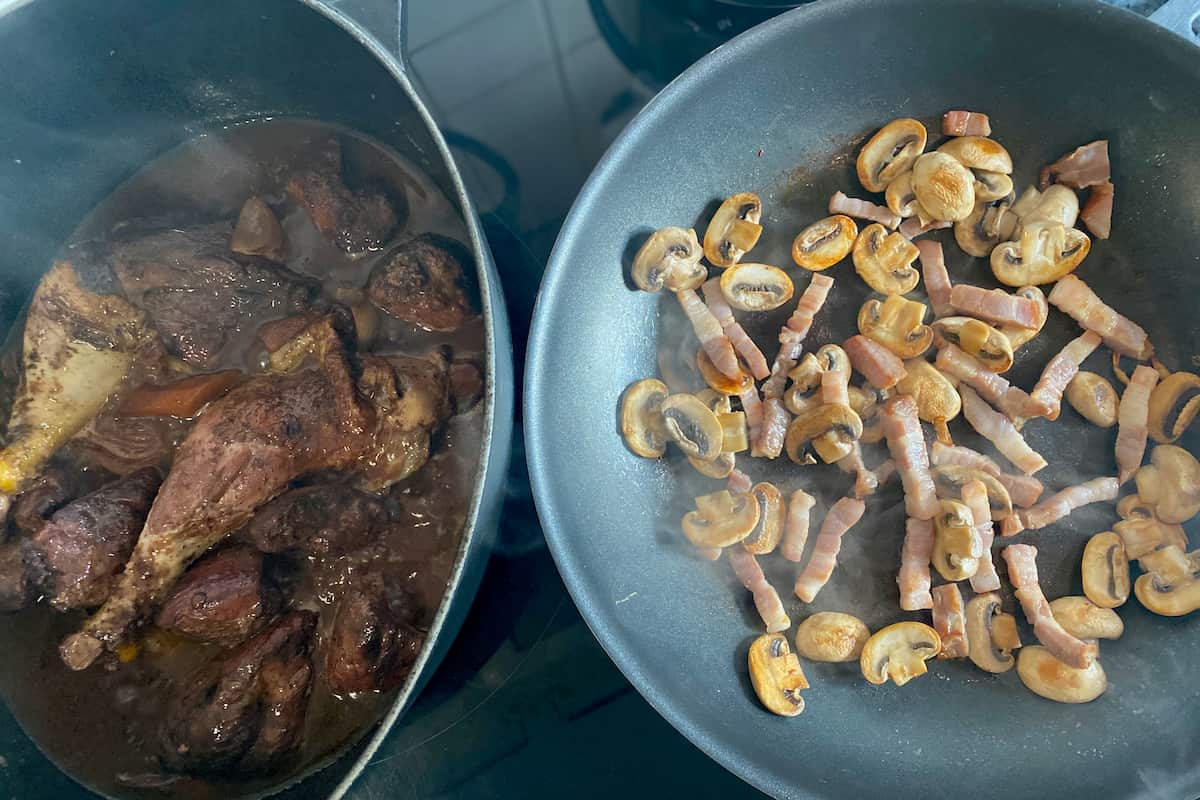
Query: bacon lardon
<point x="1062" y="503"/>
<point x="949" y="620"/>
<point x="1023" y="489"/>
<point x="1076" y="299"/>
<point x="795" y="530"/>
<point x="996" y="428"/>
<point x="974" y="496"/>
<point x="1046" y="398"/>
<point x="936" y="277"/>
<point x="766" y="599"/>
<point x="844" y="514"/>
<point x="906" y="443"/>
<point x="994" y="305"/>
<point x="880" y="366"/>
<point x="708" y="330"/>
<point x="738" y="337"/>
<point x="914" y="580"/>
<point x="991" y="386"/>
<point x="1022" y="572"/>
<point x="1132" y="418"/>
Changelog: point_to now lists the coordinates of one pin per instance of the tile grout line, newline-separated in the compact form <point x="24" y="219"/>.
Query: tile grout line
<point x="564" y="86"/>
<point x="459" y="28"/>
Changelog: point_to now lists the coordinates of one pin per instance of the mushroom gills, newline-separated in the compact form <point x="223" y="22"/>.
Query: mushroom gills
<point x="692" y="426"/>
<point x="991" y="634"/>
<point x="957" y="547"/>
<point x="1174" y="404"/>
<point x="776" y="675"/>
<point x="885" y="260"/>
<point x="890" y="153"/>
<point x="896" y="323"/>
<point x="1105" y="570"/>
<point x="1045" y="252"/>
<point x="767" y="532"/>
<point x="899" y="652"/>
<point x="824" y="243"/>
<point x="734" y="229"/>
<point x="670" y="257"/>
<point x="756" y="287"/>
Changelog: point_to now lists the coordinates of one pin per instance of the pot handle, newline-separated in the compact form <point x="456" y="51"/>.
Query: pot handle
<point x="1180" y="16"/>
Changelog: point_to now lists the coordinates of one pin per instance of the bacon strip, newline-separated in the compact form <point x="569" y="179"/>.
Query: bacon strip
<point x="994" y="305"/>
<point x="862" y="209"/>
<point x="996" y="428"/>
<point x="906" y="443"/>
<point x="949" y="620"/>
<point x="1046" y="398"/>
<point x="974" y="495"/>
<point x="844" y="514"/>
<point x="795" y="530"/>
<point x="966" y="123"/>
<point x="834" y="388"/>
<point x="994" y="388"/>
<point x="1062" y="503"/>
<point x="791" y="337"/>
<point x="1022" y="571"/>
<point x="1083" y="167"/>
<point x="1097" y="211"/>
<point x="738" y="337"/>
<point x="1023" y="489"/>
<point x="766" y="599"/>
<point x="708" y="330"/>
<point x="936" y="277"/>
<point x="1132" y="416"/>
<point x="738" y="482"/>
<point x="880" y="366"/>
<point x="913" y="578"/>
<point x="865" y="481"/>
<point x="1075" y="298"/>
<point x="753" y="407"/>
<point x="912" y="227"/>
<point x="885" y="472"/>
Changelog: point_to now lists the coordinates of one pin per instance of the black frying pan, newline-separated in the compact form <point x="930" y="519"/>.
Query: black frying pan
<point x="781" y="111"/>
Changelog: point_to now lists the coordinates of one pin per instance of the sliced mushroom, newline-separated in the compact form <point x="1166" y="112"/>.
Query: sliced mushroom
<point x="1045" y="252"/>
<point x="257" y="232"/>
<point x="976" y="338"/>
<point x="1094" y="398"/>
<point x="734" y="434"/>
<point x="832" y="637"/>
<point x="938" y="401"/>
<point x="720" y="519"/>
<point x="1046" y="676"/>
<point x="988" y="224"/>
<point x="717" y="403"/>
<point x="641" y="418"/>
<point x="734" y="229"/>
<point x="1056" y="204"/>
<point x="1168" y="601"/>
<point x="944" y="187"/>
<point x="1018" y="336"/>
<point x="901" y="199"/>
<point x="824" y="243"/>
<point x="890" y="153"/>
<point x="884" y="260"/>
<point x="719" y="468"/>
<point x="1141" y="531"/>
<point x="1106" y="570"/>
<point x="692" y="426"/>
<point x="1174" y="403"/>
<point x="989" y="638"/>
<point x="1169" y="565"/>
<point x="1083" y="619"/>
<point x="899" y="652"/>
<point x="897" y="324"/>
<point x="756" y="287"/>
<point x="776" y="675"/>
<point x="864" y="401"/>
<point x="979" y="152"/>
<point x="803" y="395"/>
<point x="831" y="428"/>
<point x="949" y="479"/>
<point x="990" y="186"/>
<point x="957" y="547"/>
<point x="769" y="529"/>
<point x="720" y="382"/>
<point x="670" y="258"/>
<point x="1170" y="483"/>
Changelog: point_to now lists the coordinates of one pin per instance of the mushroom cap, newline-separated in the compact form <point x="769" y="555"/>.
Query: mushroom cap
<point x="776" y="675"/>
<point x="642" y="422"/>
<point x="1045" y="252"/>
<point x="975" y="338"/>
<point x="890" y="153"/>
<point x="756" y="287"/>
<point x="832" y="636"/>
<point x="991" y="186"/>
<point x="937" y="399"/>
<point x="1083" y="619"/>
<point x="884" y="260"/>
<point x="897" y="324"/>
<point x="670" y="257"/>
<point x="1105" y="570"/>
<point x="1056" y="204"/>
<point x="829" y="418"/>
<point x="1045" y="675"/>
<point x="824" y="243"/>
<point x="720" y="519"/>
<point x="901" y="199"/>
<point x="1174" y="403"/>
<point x="899" y="652"/>
<point x="1173" y="601"/>
<point x="733" y="230"/>
<point x="944" y="187"/>
<point x="979" y="152"/>
<point x="692" y="426"/>
<point x="769" y="529"/>
<point x="1094" y="398"/>
<point x="951" y="478"/>
<point x="957" y="547"/>
<point x="989" y="223"/>
<point x="981" y="613"/>
<point x="1171" y="483"/>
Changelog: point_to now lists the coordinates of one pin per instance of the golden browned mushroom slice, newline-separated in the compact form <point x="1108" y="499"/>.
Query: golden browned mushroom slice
<point x="1056" y="204"/>
<point x="669" y="258"/>
<point x="975" y="338"/>
<point x="803" y="394"/>
<point x="832" y="636"/>
<point x="734" y="229"/>
<point x="692" y="426"/>
<point x="988" y="224"/>
<point x="641" y="418"/>
<point x="957" y="547"/>
<point x="1094" y="398"/>
<point x="1045" y="675"/>
<point x="951" y="478"/>
<point x="756" y="287"/>
<point x="1045" y="252"/>
<point x="890" y="153"/>
<point x="720" y="519"/>
<point x="945" y="189"/>
<point x="899" y="652"/>
<point x="734" y="435"/>
<point x="1084" y="619"/>
<point x="1018" y="335"/>
<point x="719" y="381"/>
<point x="991" y="186"/>
<point x="937" y="400"/>
<point x="769" y="530"/>
<point x="776" y="675"/>
<point x="979" y="152"/>
<point x="257" y="232"/>
<point x="897" y="324"/>
<point x="1141" y="531"/>
<point x="719" y="468"/>
<point x="885" y="260"/>
<point x="991" y="634"/>
<point x="824" y="243"/>
<point x="832" y="430"/>
<point x="1171" y="587"/>
<point x="1170" y="483"/>
<point x="1174" y="403"/>
<point x="1106" y="570"/>
<point x="900" y="196"/>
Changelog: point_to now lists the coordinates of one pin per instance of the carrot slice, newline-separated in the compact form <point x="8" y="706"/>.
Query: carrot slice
<point x="183" y="398"/>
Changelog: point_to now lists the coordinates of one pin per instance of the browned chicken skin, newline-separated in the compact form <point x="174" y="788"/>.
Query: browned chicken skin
<point x="223" y="598"/>
<point x="371" y="646"/>
<point x="354" y="221"/>
<point x="422" y="281"/>
<point x="245" y="708"/>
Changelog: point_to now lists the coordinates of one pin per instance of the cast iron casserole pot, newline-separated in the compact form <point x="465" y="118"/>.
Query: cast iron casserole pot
<point x="782" y="111"/>
<point x="91" y="92"/>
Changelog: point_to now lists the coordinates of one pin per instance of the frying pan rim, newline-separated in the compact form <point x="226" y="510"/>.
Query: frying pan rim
<point x="600" y="619"/>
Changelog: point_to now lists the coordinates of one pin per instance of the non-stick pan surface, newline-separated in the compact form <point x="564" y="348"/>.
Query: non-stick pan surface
<point x="781" y="111"/>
